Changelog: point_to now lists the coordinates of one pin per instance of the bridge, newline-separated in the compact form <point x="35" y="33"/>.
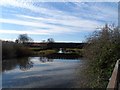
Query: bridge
<point x="55" y="45"/>
<point x="114" y="82"/>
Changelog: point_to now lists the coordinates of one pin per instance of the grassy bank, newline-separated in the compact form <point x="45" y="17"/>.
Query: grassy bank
<point x="76" y="51"/>
<point x="46" y="52"/>
<point x="68" y="51"/>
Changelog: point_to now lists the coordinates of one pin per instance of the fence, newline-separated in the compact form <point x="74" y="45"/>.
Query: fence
<point x="115" y="78"/>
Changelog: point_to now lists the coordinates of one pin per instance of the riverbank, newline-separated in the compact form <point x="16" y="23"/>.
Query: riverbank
<point x="17" y="50"/>
<point x="55" y="52"/>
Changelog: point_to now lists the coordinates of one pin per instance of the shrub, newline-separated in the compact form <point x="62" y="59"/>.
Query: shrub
<point x="102" y="51"/>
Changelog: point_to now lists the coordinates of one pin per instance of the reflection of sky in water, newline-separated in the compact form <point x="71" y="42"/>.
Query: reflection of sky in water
<point x="42" y="74"/>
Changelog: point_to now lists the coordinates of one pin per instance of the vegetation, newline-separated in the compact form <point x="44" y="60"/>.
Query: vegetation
<point x="17" y="48"/>
<point x="8" y="49"/>
<point x="22" y="50"/>
<point x="102" y="51"/>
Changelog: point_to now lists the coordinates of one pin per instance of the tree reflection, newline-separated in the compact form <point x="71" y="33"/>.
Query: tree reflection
<point x="22" y="63"/>
<point x="9" y="65"/>
<point x="44" y="59"/>
<point x="25" y="64"/>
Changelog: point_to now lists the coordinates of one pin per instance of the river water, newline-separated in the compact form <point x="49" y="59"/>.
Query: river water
<point x="39" y="72"/>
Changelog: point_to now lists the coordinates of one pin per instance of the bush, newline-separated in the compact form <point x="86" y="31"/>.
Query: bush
<point x="102" y="51"/>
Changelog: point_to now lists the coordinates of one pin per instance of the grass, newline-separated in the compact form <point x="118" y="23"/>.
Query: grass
<point x="35" y="49"/>
<point x="46" y="52"/>
<point x="76" y="51"/>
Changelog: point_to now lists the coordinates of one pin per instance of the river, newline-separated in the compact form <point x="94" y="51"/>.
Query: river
<point x="40" y="72"/>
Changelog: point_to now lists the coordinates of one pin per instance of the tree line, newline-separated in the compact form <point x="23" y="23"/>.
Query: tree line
<point x="24" y="38"/>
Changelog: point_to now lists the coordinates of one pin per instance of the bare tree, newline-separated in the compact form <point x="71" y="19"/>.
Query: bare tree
<point x="24" y="38"/>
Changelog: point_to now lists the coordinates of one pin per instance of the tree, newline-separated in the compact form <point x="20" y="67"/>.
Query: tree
<point x="17" y="41"/>
<point x="24" y="38"/>
<point x="50" y="40"/>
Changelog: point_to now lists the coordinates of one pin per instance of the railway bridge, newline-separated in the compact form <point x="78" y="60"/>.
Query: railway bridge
<point x="56" y="45"/>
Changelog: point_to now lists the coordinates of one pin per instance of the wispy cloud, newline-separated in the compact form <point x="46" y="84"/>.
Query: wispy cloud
<point x="23" y="32"/>
<point x="53" y="25"/>
<point x="98" y="11"/>
<point x="68" y="20"/>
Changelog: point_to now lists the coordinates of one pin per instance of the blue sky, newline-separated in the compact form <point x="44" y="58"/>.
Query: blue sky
<point x="63" y="21"/>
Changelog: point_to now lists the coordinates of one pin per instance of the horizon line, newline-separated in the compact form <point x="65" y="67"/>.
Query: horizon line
<point x="41" y="41"/>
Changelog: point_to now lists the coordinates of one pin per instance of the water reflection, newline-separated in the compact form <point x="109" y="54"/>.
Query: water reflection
<point x="27" y="63"/>
<point x="8" y="65"/>
<point x="40" y="72"/>
<point x="23" y="64"/>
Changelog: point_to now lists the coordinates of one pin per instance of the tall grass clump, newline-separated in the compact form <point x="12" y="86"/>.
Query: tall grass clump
<point x="102" y="52"/>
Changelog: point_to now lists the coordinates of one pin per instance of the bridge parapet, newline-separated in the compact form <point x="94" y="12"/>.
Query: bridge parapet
<point x="114" y="82"/>
<point x="56" y="45"/>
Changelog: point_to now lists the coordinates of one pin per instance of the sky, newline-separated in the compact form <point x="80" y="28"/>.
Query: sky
<point x="63" y="21"/>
